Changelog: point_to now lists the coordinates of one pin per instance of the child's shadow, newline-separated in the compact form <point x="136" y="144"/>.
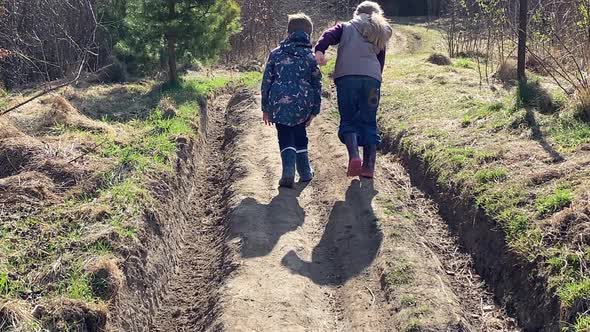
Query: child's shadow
<point x="261" y="226"/>
<point x="350" y="241"/>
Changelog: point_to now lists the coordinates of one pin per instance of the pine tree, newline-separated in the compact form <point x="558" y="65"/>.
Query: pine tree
<point x="181" y="29"/>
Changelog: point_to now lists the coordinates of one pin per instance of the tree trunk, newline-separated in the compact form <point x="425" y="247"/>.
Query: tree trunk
<point x="171" y="40"/>
<point x="171" y="50"/>
<point x="522" y="38"/>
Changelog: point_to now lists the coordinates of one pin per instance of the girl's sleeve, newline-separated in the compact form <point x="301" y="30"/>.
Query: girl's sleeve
<point x="381" y="58"/>
<point x="267" y="81"/>
<point x="316" y="85"/>
<point x="330" y="37"/>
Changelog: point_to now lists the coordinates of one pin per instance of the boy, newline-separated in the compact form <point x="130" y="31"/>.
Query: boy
<point x="291" y="97"/>
<point x="358" y="74"/>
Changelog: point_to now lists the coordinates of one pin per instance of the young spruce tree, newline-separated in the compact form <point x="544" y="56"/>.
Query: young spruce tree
<point x="181" y="29"/>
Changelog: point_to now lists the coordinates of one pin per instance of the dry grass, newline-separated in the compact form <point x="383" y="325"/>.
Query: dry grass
<point x="17" y="316"/>
<point x="506" y="73"/>
<point x="105" y="277"/>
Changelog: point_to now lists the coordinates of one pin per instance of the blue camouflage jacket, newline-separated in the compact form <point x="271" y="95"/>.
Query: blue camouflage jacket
<point x="292" y="82"/>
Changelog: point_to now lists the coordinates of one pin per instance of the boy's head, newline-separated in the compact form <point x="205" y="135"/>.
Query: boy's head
<point x="369" y="8"/>
<point x="300" y="22"/>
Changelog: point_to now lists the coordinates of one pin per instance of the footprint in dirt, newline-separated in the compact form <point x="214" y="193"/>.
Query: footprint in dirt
<point x="260" y="226"/>
<point x="350" y="241"/>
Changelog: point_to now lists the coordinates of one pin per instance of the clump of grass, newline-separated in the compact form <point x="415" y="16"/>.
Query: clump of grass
<point x="78" y="287"/>
<point x="481" y="113"/>
<point x="485" y="176"/>
<point x="413" y="325"/>
<point x="401" y="274"/>
<point x="515" y="221"/>
<point x="571" y="133"/>
<point x="582" y="323"/>
<point x="464" y="63"/>
<point x="574" y="291"/>
<point x="554" y="202"/>
<point x="408" y="301"/>
<point x="16" y="315"/>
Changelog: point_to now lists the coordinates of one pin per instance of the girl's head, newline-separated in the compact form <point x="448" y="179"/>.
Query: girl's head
<point x="369" y="8"/>
<point x="299" y="22"/>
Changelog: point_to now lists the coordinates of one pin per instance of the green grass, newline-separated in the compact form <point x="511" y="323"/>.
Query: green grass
<point x="485" y="176"/>
<point x="582" y="323"/>
<point x="554" y="202"/>
<point x="408" y="301"/>
<point x="53" y="242"/>
<point x="413" y="325"/>
<point x="465" y="63"/>
<point x="78" y="287"/>
<point x="481" y="112"/>
<point x="402" y="273"/>
<point x="571" y="292"/>
<point x="570" y="133"/>
<point x="327" y="72"/>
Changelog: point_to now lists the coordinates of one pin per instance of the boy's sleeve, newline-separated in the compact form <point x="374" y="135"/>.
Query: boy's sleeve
<point x="330" y="37"/>
<point x="316" y="85"/>
<point x="267" y="81"/>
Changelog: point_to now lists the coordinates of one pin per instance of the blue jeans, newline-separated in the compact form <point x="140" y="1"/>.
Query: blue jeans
<point x="358" y="101"/>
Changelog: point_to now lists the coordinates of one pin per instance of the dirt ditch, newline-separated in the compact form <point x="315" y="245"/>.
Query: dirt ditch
<point x="516" y="283"/>
<point x="173" y="278"/>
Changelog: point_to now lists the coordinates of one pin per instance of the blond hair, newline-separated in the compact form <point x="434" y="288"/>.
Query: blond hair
<point x="300" y="22"/>
<point x="369" y="8"/>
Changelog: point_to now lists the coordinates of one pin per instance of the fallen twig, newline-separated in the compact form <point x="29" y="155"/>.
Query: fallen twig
<point x="372" y="294"/>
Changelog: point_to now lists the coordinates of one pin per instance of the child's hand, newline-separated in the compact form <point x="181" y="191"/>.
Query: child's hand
<point x="320" y="58"/>
<point x="308" y="123"/>
<point x="266" y="119"/>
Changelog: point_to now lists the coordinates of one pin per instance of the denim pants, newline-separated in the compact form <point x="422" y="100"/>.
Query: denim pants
<point x="294" y="138"/>
<point x="358" y="101"/>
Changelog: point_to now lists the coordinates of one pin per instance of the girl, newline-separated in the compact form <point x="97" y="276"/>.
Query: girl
<point x="358" y="74"/>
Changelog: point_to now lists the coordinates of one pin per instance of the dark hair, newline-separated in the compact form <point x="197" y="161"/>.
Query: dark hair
<point x="300" y="22"/>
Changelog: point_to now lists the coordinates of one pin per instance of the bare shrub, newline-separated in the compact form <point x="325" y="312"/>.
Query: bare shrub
<point x="506" y="73"/>
<point x="439" y="59"/>
<point x="582" y="110"/>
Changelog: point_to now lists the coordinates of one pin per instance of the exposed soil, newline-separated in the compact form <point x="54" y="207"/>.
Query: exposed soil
<point x="337" y="254"/>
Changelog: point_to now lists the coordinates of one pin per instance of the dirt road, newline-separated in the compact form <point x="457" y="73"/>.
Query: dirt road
<point x="338" y="254"/>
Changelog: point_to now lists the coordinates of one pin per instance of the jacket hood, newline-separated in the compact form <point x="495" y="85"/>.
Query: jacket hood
<point x="374" y="28"/>
<point x="298" y="43"/>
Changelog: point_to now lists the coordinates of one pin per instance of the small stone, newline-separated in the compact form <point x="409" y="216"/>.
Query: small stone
<point x="176" y="313"/>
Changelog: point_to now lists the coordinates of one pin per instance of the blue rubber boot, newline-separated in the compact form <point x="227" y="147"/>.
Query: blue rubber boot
<point x="288" y="157"/>
<point x="304" y="167"/>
